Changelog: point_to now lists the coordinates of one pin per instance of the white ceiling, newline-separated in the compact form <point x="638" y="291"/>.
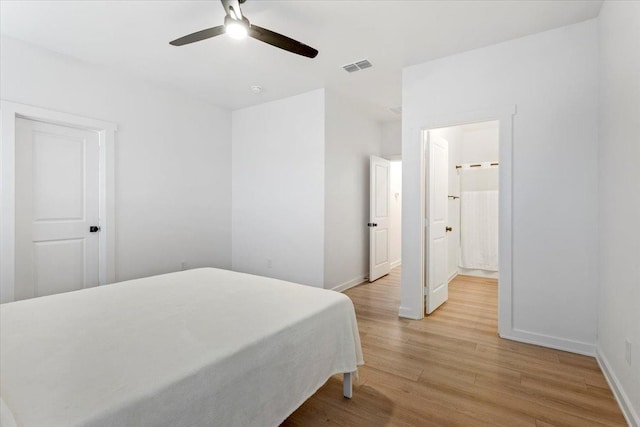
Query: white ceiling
<point x="133" y="36"/>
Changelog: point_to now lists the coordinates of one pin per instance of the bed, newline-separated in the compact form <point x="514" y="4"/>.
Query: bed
<point x="201" y="347"/>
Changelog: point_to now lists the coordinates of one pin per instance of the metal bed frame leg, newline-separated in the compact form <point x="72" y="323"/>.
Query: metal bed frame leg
<point x="347" y="385"/>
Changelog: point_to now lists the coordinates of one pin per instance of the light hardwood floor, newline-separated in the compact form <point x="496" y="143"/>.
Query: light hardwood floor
<point x="452" y="369"/>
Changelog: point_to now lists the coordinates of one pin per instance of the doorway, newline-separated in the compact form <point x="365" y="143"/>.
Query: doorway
<point x="385" y="216"/>
<point x="414" y="213"/>
<point x="57" y="210"/>
<point x="462" y="184"/>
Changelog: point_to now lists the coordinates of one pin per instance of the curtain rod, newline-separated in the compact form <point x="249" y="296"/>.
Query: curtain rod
<point x="477" y="165"/>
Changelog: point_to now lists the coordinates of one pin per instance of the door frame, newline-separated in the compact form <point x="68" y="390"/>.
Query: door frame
<point x="505" y="209"/>
<point x="9" y="112"/>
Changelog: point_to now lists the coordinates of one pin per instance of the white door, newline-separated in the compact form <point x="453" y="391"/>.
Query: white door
<point x="57" y="202"/>
<point x="379" y="244"/>
<point x="437" y="289"/>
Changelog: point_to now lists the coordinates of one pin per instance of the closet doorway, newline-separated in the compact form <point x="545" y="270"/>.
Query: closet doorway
<point x="462" y="182"/>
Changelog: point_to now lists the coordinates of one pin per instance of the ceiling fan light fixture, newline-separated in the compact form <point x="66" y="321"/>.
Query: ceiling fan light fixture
<point x="237" y="26"/>
<point x="236" y="29"/>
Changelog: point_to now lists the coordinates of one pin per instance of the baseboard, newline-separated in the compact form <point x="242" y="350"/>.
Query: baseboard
<point x="632" y="417"/>
<point x="563" y="344"/>
<point x="408" y="313"/>
<point x="349" y="284"/>
<point x="476" y="272"/>
<point x="452" y="276"/>
<point x="395" y="264"/>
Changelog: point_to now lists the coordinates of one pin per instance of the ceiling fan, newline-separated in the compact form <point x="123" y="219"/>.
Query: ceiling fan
<point x="237" y="26"/>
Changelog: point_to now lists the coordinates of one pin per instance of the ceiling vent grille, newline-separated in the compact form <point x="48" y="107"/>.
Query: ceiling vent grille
<point x="350" y="68"/>
<point x="360" y="65"/>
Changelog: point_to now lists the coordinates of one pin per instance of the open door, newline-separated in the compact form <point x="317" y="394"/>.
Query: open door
<point x="437" y="286"/>
<point x="379" y="245"/>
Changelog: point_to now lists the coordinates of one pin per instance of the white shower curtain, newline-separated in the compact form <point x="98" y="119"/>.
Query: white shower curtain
<point x="479" y="230"/>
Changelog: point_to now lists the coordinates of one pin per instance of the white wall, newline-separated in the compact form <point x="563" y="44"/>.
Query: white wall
<point x="619" y="187"/>
<point x="552" y="78"/>
<point x="350" y="138"/>
<point x="395" y="214"/>
<point x="391" y="139"/>
<point x="278" y="189"/>
<point x="173" y="155"/>
<point x="480" y="145"/>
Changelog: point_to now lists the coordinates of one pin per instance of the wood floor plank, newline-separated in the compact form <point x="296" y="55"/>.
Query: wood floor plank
<point x="452" y="369"/>
<point x="596" y="379"/>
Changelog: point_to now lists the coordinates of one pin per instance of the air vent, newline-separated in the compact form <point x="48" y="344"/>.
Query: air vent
<point x="363" y="64"/>
<point x="360" y="65"/>
<point x="351" y="68"/>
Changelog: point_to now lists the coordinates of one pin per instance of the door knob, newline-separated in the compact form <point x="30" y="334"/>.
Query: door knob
<point x="447" y="229"/>
<point x="372" y="224"/>
<point x="94" y="229"/>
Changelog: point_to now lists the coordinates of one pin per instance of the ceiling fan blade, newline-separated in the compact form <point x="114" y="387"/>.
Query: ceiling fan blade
<point x="199" y="35"/>
<point x="283" y="42"/>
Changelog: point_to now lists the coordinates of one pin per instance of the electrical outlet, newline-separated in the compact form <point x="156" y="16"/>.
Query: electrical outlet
<point x="627" y="351"/>
<point x="269" y="263"/>
<point x="184" y="265"/>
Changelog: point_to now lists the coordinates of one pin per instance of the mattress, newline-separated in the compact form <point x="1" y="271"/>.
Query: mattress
<point x="196" y="348"/>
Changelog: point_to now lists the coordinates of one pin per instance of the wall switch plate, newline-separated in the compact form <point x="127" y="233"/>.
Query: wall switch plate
<point x="184" y="265"/>
<point x="269" y="263"/>
<point x="627" y="351"/>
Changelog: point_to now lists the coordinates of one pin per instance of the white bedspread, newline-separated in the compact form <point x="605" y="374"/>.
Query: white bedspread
<point x="204" y="347"/>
